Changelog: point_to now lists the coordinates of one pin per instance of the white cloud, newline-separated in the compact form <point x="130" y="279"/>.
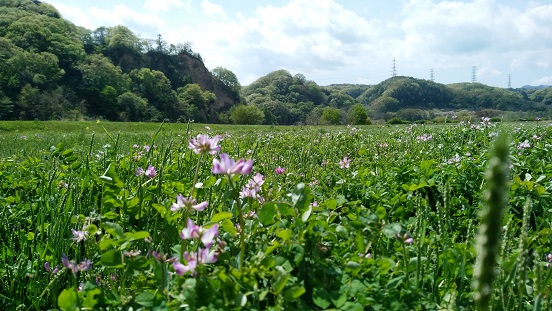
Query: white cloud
<point x="163" y="5"/>
<point x="323" y="39"/>
<point x="543" y="81"/>
<point x="211" y="9"/>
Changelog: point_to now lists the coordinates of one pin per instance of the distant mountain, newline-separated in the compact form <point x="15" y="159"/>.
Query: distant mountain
<point x="533" y="87"/>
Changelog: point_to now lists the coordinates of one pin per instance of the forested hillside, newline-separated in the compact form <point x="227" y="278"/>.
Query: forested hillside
<point x="52" y="69"/>
<point x="287" y="99"/>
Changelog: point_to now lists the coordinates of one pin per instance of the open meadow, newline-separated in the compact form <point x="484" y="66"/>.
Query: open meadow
<point x="149" y="216"/>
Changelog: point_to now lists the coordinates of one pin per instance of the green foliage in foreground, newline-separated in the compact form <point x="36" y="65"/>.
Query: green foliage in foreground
<point x="370" y="218"/>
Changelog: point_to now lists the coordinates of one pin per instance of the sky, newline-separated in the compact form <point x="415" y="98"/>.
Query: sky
<point x="504" y="42"/>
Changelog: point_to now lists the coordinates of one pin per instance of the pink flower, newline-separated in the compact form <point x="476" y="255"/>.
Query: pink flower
<point x="229" y="167"/>
<point x="192" y="231"/>
<point x="83" y="266"/>
<point x="204" y="144"/>
<point x="248" y="193"/>
<point x="204" y="255"/>
<point x="208" y="236"/>
<point x="345" y="163"/>
<point x="524" y="145"/>
<point x="188" y="203"/>
<point x="79" y="235"/>
<point x="151" y="172"/>
<point x="140" y="171"/>
<point x="183" y="269"/>
<point x="279" y="170"/>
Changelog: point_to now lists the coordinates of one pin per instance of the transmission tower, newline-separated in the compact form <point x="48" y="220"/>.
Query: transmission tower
<point x="474" y="74"/>
<point x="394" y="67"/>
<point x="431" y="74"/>
<point x="509" y="81"/>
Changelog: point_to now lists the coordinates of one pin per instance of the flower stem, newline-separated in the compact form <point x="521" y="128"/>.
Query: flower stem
<point x="241" y="221"/>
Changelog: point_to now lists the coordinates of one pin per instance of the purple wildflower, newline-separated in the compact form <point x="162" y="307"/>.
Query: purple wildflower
<point x="524" y="145"/>
<point x="140" y="171"/>
<point x="151" y="172"/>
<point x="192" y="231"/>
<point x="79" y="235"/>
<point x="204" y="255"/>
<point x="205" y="144"/>
<point x="85" y="265"/>
<point x="229" y="167"/>
<point x="188" y="203"/>
<point x="208" y="236"/>
<point x="279" y="170"/>
<point x="345" y="163"/>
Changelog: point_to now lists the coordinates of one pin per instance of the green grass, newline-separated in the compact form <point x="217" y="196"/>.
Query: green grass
<point x="323" y="236"/>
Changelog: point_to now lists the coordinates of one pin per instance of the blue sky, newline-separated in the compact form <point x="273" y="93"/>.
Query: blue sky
<point x="348" y="41"/>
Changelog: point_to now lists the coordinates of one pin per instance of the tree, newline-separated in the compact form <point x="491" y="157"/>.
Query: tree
<point x="133" y="107"/>
<point x="154" y="86"/>
<point x="192" y="96"/>
<point x="6" y="107"/>
<point x="124" y="48"/>
<point x="98" y="72"/>
<point x="228" y="78"/>
<point x="246" y="114"/>
<point x="330" y="116"/>
<point x="358" y="115"/>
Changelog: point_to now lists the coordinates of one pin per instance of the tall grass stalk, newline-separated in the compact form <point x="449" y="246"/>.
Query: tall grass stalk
<point x="495" y="199"/>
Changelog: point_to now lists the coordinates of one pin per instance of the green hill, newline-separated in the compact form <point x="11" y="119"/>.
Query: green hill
<point x="52" y="69"/>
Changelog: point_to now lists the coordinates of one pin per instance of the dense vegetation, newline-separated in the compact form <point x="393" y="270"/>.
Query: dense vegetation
<point x="320" y="218"/>
<point x="52" y="69"/>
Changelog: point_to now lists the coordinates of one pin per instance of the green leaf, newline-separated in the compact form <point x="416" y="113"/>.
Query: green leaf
<point x="342" y="231"/>
<point x="359" y="243"/>
<point x="106" y="243"/>
<point x="133" y="202"/>
<point x="75" y="165"/>
<point x="352" y="265"/>
<point x="221" y="216"/>
<point x="298" y="253"/>
<point x="294" y="292"/>
<point x="381" y="212"/>
<point x="112" y="258"/>
<point x="267" y="214"/>
<point x="338" y="299"/>
<point x="352" y="306"/>
<point x="395" y="282"/>
<point x="136" y="235"/>
<point x="385" y="264"/>
<point x="110" y="215"/>
<point x="89" y="297"/>
<point x="113" y="228"/>
<point x="331" y="204"/>
<point x="320" y="297"/>
<point x="301" y="197"/>
<point x="145" y="299"/>
<point x="391" y="230"/>
<point x="341" y="200"/>
<point x="281" y="279"/>
<point x="285" y="209"/>
<point x="229" y="227"/>
<point x="284" y="234"/>
<point x="162" y="210"/>
<point x="306" y="214"/>
<point x="67" y="300"/>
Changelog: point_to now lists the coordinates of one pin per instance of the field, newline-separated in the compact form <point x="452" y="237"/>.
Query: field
<point x="130" y="216"/>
